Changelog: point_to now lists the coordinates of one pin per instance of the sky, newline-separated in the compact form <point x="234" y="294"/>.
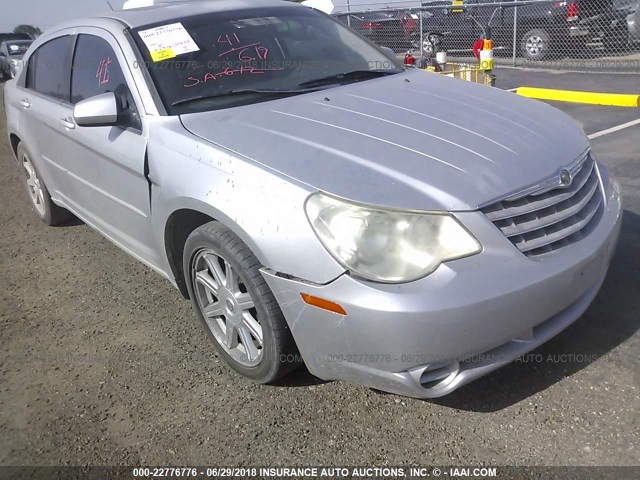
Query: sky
<point x="46" y="13"/>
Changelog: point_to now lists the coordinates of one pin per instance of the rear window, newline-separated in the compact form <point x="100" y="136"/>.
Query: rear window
<point x="49" y="67"/>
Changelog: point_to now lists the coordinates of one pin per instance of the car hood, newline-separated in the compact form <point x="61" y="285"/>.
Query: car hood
<point x="413" y="141"/>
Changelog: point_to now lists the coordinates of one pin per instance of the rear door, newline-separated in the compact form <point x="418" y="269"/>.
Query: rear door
<point x="43" y="102"/>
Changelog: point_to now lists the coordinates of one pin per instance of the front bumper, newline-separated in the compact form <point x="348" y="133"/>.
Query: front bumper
<point x="427" y="338"/>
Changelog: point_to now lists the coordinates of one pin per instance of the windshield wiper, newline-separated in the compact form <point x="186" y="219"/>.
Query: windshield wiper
<point x="233" y="93"/>
<point x="346" y="77"/>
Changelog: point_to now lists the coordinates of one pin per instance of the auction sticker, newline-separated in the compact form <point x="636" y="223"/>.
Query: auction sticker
<point x="168" y="41"/>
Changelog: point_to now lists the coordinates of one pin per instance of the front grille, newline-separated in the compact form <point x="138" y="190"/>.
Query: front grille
<point x="547" y="220"/>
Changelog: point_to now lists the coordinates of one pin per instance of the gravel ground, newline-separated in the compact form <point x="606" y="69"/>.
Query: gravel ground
<point x="102" y="362"/>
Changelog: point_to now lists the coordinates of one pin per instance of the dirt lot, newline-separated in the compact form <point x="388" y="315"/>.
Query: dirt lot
<point x="102" y="362"/>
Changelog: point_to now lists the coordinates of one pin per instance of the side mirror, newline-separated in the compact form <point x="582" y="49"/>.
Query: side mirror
<point x="100" y="111"/>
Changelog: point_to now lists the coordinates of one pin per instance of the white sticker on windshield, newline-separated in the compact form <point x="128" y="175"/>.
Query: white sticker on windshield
<point x="168" y="41"/>
<point x="14" y="48"/>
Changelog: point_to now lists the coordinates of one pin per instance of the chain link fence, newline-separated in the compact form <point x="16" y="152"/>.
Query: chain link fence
<point x="590" y="35"/>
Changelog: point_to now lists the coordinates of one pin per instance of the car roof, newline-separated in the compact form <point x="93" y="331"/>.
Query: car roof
<point x="169" y="11"/>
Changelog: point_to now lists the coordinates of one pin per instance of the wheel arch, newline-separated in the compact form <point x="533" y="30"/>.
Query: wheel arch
<point x="15" y="141"/>
<point x="181" y="222"/>
<point x="177" y="229"/>
<point x="528" y="27"/>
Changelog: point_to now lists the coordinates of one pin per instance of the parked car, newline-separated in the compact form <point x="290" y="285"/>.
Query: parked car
<point x="618" y="28"/>
<point x="542" y="30"/>
<point x="394" y="29"/>
<point x="11" y="54"/>
<point x="312" y="198"/>
<point x="6" y="37"/>
<point x="551" y="29"/>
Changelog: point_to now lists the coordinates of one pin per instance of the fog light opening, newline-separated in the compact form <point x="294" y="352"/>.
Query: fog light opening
<point x="439" y="376"/>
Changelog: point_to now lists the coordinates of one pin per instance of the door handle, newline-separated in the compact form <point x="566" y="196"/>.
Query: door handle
<point x="68" y="123"/>
<point x="25" y="103"/>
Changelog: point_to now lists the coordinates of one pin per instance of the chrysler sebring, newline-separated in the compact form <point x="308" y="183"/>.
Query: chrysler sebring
<point x="315" y="201"/>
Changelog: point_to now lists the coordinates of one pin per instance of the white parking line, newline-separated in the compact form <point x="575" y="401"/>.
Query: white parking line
<point x="614" y="129"/>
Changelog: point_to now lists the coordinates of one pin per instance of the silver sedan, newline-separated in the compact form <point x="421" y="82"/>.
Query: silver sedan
<point x="317" y="202"/>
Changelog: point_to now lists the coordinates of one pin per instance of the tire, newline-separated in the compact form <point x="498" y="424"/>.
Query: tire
<point x="428" y="47"/>
<point x="238" y="311"/>
<point x="430" y="43"/>
<point x="45" y="209"/>
<point x="535" y="44"/>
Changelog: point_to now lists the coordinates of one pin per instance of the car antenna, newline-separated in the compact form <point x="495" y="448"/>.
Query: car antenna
<point x="110" y="6"/>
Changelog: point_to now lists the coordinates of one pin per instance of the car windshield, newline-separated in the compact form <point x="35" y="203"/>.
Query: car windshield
<point x="222" y="60"/>
<point x="18" y="48"/>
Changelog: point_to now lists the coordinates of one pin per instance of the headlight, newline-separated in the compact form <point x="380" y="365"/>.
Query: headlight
<point x="387" y="245"/>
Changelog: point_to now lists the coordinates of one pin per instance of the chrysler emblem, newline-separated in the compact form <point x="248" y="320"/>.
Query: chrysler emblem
<point x="565" y="178"/>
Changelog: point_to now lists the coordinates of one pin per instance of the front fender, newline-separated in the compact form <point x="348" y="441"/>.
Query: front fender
<point x="264" y="209"/>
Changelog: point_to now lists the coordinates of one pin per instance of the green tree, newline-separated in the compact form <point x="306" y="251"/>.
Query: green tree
<point x="30" y="29"/>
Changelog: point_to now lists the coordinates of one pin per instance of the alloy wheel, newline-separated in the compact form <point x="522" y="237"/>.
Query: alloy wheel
<point x="227" y="307"/>
<point x="428" y="47"/>
<point x="34" y="185"/>
<point x="534" y="45"/>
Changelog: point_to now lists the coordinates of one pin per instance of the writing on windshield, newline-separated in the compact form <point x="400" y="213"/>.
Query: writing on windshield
<point x="274" y="49"/>
<point x="102" y="74"/>
<point x="247" y="54"/>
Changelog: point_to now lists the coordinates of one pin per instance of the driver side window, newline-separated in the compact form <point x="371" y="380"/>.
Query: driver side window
<point x="95" y="71"/>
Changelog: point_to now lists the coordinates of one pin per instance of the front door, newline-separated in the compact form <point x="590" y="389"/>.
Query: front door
<point x="108" y="185"/>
